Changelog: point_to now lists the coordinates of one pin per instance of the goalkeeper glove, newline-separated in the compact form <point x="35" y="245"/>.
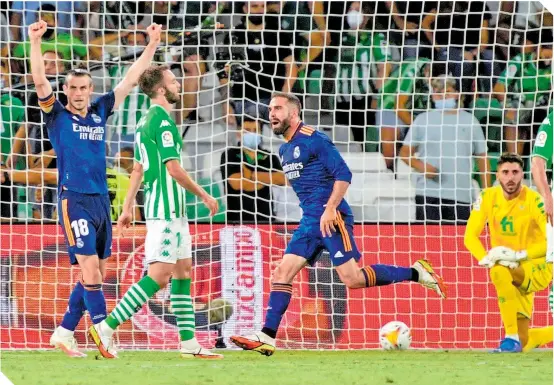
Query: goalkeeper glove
<point x="504" y="256"/>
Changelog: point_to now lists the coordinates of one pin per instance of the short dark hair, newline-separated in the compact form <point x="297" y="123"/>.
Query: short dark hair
<point x="510" y="157"/>
<point x="150" y="79"/>
<point x="78" y="73"/>
<point x="291" y="98"/>
<point x="129" y="149"/>
<point x="251" y="119"/>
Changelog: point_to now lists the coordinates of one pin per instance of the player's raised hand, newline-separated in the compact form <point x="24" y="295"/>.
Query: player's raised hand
<point x="154" y="33"/>
<point x="36" y="30"/>
<point x="327" y="222"/>
<point x="124" y="221"/>
<point x="211" y="204"/>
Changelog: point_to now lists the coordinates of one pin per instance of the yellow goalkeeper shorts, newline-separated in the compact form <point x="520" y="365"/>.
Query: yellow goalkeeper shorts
<point x="538" y="275"/>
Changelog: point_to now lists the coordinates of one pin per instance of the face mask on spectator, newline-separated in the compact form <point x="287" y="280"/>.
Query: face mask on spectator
<point x="134" y="48"/>
<point x="446" y="104"/>
<point x="354" y="19"/>
<point x="251" y="140"/>
<point x="256" y="19"/>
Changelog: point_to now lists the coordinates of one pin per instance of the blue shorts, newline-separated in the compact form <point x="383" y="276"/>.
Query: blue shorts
<point x="308" y="242"/>
<point x="86" y="223"/>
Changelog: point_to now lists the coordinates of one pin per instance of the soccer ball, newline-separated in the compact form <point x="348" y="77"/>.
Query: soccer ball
<point x="395" y="335"/>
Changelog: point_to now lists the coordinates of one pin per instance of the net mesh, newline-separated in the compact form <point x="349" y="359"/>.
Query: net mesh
<point x="361" y="70"/>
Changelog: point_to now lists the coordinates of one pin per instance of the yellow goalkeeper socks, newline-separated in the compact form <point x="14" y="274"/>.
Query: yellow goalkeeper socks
<point x="502" y="280"/>
<point x="538" y="337"/>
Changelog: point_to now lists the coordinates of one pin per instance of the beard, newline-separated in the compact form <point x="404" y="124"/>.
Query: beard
<point x="282" y="127"/>
<point x="510" y="188"/>
<point x="171" y="97"/>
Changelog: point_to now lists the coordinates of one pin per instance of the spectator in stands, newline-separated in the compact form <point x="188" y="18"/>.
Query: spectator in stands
<point x="25" y="13"/>
<point x="460" y="33"/>
<point x="249" y="170"/>
<point x="307" y="23"/>
<point x="365" y="63"/>
<point x="403" y="96"/>
<point x="68" y="46"/>
<point x="407" y="17"/>
<point x="269" y="58"/>
<point x="524" y="89"/>
<point x="514" y="19"/>
<point x="12" y="115"/>
<point x="128" y="114"/>
<point x="446" y="140"/>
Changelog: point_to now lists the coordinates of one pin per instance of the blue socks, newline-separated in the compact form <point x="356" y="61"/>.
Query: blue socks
<point x="279" y="299"/>
<point x="381" y="275"/>
<point x="75" y="309"/>
<point x="95" y="302"/>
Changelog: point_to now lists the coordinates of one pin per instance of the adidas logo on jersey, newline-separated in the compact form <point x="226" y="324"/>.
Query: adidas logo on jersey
<point x="165" y="123"/>
<point x="338" y="255"/>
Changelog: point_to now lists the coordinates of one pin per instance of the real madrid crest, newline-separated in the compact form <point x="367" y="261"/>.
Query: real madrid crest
<point x="296" y="152"/>
<point x="96" y="118"/>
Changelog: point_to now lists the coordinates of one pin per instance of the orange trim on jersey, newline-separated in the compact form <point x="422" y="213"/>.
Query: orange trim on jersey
<point x="294" y="133"/>
<point x="344" y="233"/>
<point x="370" y="276"/>
<point x="305" y="132"/>
<point x="48" y="102"/>
<point x="67" y="224"/>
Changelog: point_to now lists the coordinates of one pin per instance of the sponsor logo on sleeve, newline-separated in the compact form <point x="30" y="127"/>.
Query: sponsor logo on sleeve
<point x="541" y="139"/>
<point x="167" y="139"/>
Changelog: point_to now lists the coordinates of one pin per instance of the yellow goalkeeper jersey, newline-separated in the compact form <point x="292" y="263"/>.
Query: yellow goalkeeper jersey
<point x="519" y="224"/>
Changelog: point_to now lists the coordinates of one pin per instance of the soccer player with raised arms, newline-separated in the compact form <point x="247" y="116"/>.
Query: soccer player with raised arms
<point x="320" y="177"/>
<point x="517" y="228"/>
<point x="168" y="244"/>
<point x="78" y="134"/>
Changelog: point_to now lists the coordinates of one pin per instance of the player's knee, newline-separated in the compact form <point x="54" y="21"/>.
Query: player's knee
<point x="91" y="277"/>
<point x="352" y="281"/>
<point x="500" y="275"/>
<point x="282" y="275"/>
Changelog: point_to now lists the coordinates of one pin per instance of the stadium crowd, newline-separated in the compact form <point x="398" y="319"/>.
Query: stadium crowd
<point x="473" y="77"/>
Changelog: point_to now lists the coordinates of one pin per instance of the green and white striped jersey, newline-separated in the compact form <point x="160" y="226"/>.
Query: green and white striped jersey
<point x="408" y="78"/>
<point x="157" y="141"/>
<point x="129" y="112"/>
<point x="359" y="57"/>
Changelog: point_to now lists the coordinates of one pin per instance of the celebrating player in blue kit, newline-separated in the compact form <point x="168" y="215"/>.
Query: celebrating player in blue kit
<point x="320" y="177"/>
<point x="77" y="132"/>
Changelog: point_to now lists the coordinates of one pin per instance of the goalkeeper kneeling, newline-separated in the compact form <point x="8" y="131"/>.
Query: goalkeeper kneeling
<point x="517" y="228"/>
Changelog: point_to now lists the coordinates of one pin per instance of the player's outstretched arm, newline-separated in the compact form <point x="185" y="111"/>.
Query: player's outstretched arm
<point x="182" y="177"/>
<point x="127" y="213"/>
<point x="143" y="62"/>
<point x="42" y="85"/>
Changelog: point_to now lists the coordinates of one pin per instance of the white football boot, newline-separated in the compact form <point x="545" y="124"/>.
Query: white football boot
<point x="258" y="342"/>
<point x="429" y="279"/>
<point x="102" y="335"/>
<point x="64" y="340"/>
<point x="192" y="349"/>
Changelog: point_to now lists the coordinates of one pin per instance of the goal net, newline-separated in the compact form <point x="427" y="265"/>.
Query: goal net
<point x="362" y="72"/>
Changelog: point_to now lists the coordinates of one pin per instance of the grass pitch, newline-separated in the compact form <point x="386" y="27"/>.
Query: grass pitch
<point x="283" y="368"/>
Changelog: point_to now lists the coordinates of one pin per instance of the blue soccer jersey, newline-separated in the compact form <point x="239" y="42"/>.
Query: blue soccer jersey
<point x="312" y="164"/>
<point x="79" y="144"/>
